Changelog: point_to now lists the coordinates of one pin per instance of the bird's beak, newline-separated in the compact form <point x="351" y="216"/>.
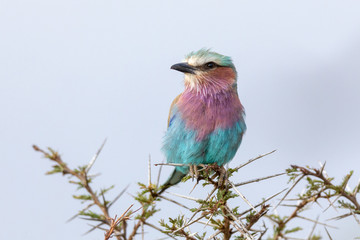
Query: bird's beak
<point x="184" y="67"/>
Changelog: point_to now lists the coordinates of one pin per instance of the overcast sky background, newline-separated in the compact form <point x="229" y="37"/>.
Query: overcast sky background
<point x="75" y="72"/>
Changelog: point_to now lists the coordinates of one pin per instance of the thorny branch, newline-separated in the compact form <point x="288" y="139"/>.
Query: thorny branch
<point x="84" y="182"/>
<point x="319" y="186"/>
<point x="215" y="210"/>
<point x="81" y="175"/>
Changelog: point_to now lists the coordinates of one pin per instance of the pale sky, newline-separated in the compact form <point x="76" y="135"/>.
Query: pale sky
<point x="75" y="72"/>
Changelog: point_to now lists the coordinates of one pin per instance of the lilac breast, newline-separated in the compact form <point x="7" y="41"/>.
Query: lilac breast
<point x="204" y="114"/>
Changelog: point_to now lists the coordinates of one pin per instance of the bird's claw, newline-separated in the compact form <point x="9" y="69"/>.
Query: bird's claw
<point x="194" y="172"/>
<point x="222" y="176"/>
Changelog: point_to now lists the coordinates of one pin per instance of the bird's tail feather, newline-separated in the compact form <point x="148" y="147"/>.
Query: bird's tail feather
<point x="174" y="178"/>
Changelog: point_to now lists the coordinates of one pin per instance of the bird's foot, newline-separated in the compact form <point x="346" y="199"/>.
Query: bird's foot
<point x="220" y="172"/>
<point x="194" y="172"/>
<point x="222" y="176"/>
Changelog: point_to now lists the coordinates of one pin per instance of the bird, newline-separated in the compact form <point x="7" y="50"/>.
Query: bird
<point x="206" y="121"/>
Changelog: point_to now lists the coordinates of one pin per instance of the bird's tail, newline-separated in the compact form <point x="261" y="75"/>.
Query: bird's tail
<point x="174" y="178"/>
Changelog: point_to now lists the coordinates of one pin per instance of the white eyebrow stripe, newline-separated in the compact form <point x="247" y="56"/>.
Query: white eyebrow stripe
<point x="198" y="61"/>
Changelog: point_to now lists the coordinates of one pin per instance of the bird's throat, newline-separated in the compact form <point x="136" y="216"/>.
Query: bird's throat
<point x="211" y="83"/>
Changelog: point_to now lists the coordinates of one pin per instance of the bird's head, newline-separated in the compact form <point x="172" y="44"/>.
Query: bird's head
<point x="207" y="71"/>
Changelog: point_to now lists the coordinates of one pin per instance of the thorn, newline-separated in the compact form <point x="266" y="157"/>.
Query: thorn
<point x="86" y="208"/>
<point x="118" y="196"/>
<point x="188" y="224"/>
<point x="94" y="227"/>
<point x="259" y="179"/>
<point x="183" y="196"/>
<point x="173" y="201"/>
<point x="266" y="200"/>
<point x="211" y="216"/>
<point x="253" y="159"/>
<point x="242" y="196"/>
<point x="194" y="187"/>
<point x="292" y="187"/>
<point x="313" y="228"/>
<point x="214" y="235"/>
<point x="158" y="177"/>
<point x="142" y="230"/>
<point x="316" y="221"/>
<point x="171" y="164"/>
<point x="328" y="233"/>
<point x="149" y="170"/>
<point x="92" y="161"/>
<point x="207" y="198"/>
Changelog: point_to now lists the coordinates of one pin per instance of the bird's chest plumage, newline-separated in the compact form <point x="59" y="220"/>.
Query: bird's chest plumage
<point x="206" y="114"/>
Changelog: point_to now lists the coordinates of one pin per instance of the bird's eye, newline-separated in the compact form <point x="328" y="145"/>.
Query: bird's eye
<point x="210" y="65"/>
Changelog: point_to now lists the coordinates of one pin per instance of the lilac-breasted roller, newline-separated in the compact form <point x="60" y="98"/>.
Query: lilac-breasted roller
<point x="206" y="121"/>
